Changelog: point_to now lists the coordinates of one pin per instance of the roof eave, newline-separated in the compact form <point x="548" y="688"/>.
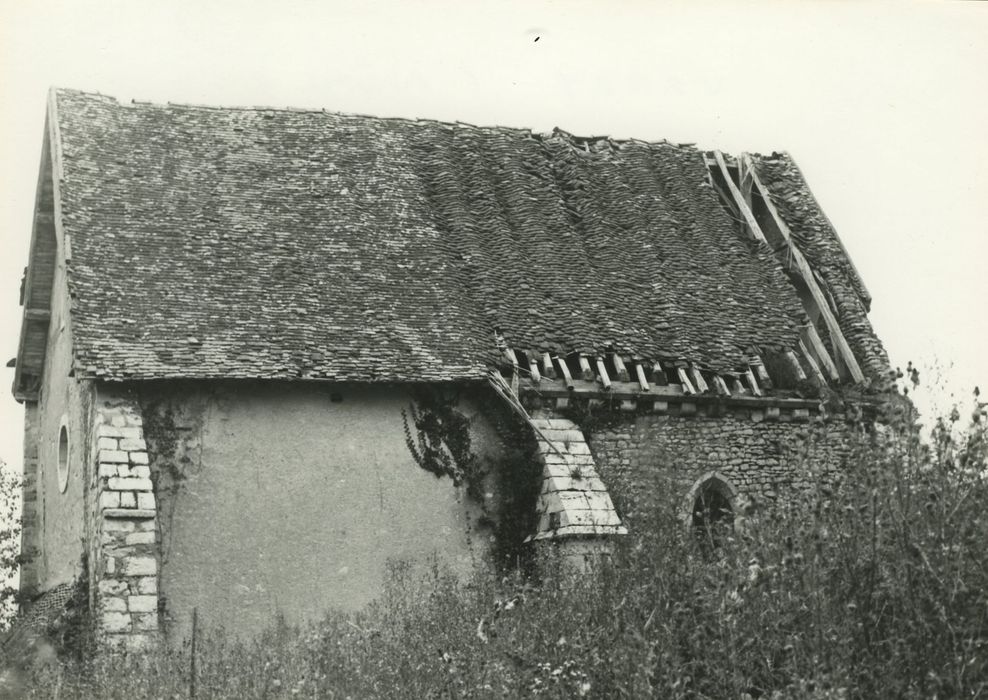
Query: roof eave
<point x="40" y="273"/>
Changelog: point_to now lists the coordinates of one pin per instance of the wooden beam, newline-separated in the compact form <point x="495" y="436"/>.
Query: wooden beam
<point x="752" y="383"/>
<point x="37" y="314"/>
<point x="640" y="373"/>
<point x="721" y="385"/>
<point x="754" y="229"/>
<point x="659" y="374"/>
<point x="585" y="369"/>
<point x="758" y="367"/>
<point x="814" y="367"/>
<point x="794" y="363"/>
<point x="602" y="373"/>
<point x="744" y="180"/>
<point x="622" y="371"/>
<point x="698" y="381"/>
<point x="806" y="272"/>
<point x="533" y="367"/>
<point x="685" y="381"/>
<point x="567" y="377"/>
<point x="547" y="368"/>
<point x="819" y="350"/>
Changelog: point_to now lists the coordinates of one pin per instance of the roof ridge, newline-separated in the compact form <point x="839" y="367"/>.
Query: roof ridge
<point x="556" y="131"/>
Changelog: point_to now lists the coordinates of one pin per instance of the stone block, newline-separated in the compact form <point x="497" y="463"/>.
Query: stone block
<point x="118" y="420"/>
<point x="128" y="499"/>
<point x="143" y="472"/>
<point x="145" y="500"/>
<point x="146" y="622"/>
<point x="119" y="432"/>
<point x="143" y="603"/>
<point x="133" y="445"/>
<point x="138" y="457"/>
<point x="115" y="525"/>
<point x="130" y="484"/>
<point x="112" y="586"/>
<point x="147" y="585"/>
<point x="140" y="566"/>
<point x="140" y="538"/>
<point x="134" y="420"/>
<point x="113" y="457"/>
<point x="114" y="604"/>
<point x="109" y="499"/>
<point x="116" y="621"/>
<point x="111" y="566"/>
<point x="107" y="443"/>
<point x="131" y="514"/>
<point x="107" y="470"/>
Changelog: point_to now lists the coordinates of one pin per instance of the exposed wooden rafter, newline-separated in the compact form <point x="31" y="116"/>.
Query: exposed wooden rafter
<point x="818" y="350"/>
<point x="754" y="230"/>
<point x="805" y="272"/>
<point x="640" y="374"/>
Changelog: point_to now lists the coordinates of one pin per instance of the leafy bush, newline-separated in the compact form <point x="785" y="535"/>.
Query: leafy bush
<point x="873" y="586"/>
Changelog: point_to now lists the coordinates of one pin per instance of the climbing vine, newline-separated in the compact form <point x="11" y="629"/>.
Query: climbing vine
<point x="438" y="437"/>
<point x="441" y="444"/>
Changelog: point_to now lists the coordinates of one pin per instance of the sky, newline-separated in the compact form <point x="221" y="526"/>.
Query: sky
<point x="883" y="105"/>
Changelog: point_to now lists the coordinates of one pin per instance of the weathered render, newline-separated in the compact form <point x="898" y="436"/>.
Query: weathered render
<point x="229" y="315"/>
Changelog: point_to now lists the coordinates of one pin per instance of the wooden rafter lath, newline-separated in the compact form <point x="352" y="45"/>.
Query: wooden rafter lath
<point x="754" y="230"/>
<point x="795" y="256"/>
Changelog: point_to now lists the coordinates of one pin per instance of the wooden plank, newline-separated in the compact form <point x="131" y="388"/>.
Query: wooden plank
<point x="585" y="370"/>
<point x="602" y="373"/>
<point x="533" y="366"/>
<point x="685" y="381"/>
<point x="547" y="368"/>
<point x="567" y="377"/>
<point x="37" y="314"/>
<point x="754" y="229"/>
<point x="744" y="179"/>
<point x="640" y="373"/>
<point x="512" y="358"/>
<point x="622" y="371"/>
<point x="814" y="367"/>
<point x="758" y="367"/>
<point x="819" y="351"/>
<point x="806" y="272"/>
<point x="752" y="383"/>
<point x="659" y="374"/>
<point x="794" y="363"/>
<point x="698" y="380"/>
<point x="721" y="385"/>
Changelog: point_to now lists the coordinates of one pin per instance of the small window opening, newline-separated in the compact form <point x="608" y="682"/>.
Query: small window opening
<point x="713" y="515"/>
<point x="63" y="456"/>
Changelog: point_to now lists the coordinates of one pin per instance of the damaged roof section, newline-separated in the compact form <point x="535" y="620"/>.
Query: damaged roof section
<point x="263" y="243"/>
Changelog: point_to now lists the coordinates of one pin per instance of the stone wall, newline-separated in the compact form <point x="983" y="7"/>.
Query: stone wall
<point x="645" y="459"/>
<point x="123" y="551"/>
<point x="55" y="513"/>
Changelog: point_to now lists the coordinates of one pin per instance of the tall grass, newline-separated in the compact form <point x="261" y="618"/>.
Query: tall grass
<point x="872" y="586"/>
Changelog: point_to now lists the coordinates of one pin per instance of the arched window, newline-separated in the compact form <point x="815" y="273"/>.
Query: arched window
<point x="63" y="454"/>
<point x="711" y="516"/>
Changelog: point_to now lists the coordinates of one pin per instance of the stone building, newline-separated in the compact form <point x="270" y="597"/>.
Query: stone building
<point x="229" y="313"/>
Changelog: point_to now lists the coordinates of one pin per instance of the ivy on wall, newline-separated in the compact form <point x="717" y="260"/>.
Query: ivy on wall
<point x="438" y="437"/>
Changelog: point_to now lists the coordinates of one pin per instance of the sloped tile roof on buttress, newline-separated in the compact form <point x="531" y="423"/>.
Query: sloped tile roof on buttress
<point x="282" y="244"/>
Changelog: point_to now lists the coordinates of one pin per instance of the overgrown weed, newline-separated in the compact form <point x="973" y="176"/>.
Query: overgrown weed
<point x="871" y="585"/>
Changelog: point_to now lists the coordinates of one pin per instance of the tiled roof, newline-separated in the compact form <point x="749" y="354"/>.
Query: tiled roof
<point x="282" y="244"/>
<point x="818" y="240"/>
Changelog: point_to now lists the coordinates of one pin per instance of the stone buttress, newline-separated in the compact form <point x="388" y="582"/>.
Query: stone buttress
<point x="123" y="553"/>
<point x="574" y="507"/>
